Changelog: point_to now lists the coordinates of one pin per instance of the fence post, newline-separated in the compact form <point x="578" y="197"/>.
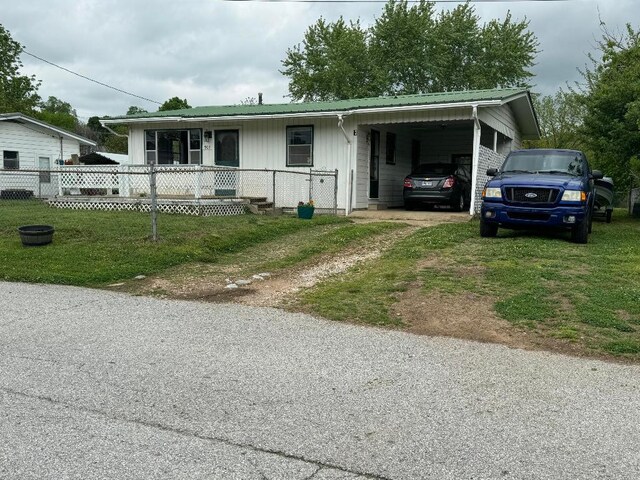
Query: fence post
<point x="335" y="193"/>
<point x="154" y="201"/>
<point x="197" y="191"/>
<point x="59" y="180"/>
<point x="274" y="191"/>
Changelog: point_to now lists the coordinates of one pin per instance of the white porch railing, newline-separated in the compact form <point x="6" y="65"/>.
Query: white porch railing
<point x="283" y="188"/>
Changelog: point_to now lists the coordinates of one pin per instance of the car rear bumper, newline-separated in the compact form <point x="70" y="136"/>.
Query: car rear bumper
<point x="428" y="196"/>
<point x="510" y="216"/>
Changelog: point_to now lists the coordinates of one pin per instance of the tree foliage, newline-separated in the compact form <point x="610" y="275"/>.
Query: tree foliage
<point x="59" y="113"/>
<point x="560" y="118"/>
<point x="331" y="63"/>
<point x="410" y="50"/>
<point x="18" y="93"/>
<point x="611" y="99"/>
<point x="134" y="109"/>
<point x="174" y="103"/>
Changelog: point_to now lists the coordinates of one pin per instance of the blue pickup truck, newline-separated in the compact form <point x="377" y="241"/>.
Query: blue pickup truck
<point x="540" y="188"/>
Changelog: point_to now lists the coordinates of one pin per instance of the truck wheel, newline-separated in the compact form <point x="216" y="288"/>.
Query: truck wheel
<point x="609" y="214"/>
<point x="488" y="229"/>
<point x="580" y="233"/>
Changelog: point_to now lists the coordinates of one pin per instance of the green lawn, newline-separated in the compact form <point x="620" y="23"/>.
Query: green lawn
<point x="96" y="248"/>
<point x="588" y="295"/>
<point x="585" y="295"/>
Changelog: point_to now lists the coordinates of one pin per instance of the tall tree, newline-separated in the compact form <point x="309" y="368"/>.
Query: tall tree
<point x="611" y="98"/>
<point x="59" y="113"/>
<point x="560" y="118"/>
<point x="403" y="47"/>
<point x="331" y="63"/>
<point x="134" y="109"/>
<point x="18" y="93"/>
<point x="409" y="50"/>
<point x="174" y="103"/>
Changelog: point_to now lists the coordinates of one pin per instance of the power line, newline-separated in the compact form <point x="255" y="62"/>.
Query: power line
<point x="386" y="1"/>
<point x="91" y="79"/>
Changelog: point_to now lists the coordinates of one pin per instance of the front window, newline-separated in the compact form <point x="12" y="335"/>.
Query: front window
<point x="10" y="160"/>
<point x="532" y="161"/>
<point x="300" y="146"/>
<point x="173" y="147"/>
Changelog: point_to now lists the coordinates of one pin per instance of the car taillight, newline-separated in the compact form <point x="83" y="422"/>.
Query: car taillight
<point x="408" y="183"/>
<point x="449" y="182"/>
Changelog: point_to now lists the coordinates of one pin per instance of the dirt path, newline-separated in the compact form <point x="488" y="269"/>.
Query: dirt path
<point x="269" y="289"/>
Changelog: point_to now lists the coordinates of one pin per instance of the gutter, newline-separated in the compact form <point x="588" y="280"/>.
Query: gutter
<point x="112" y="131"/>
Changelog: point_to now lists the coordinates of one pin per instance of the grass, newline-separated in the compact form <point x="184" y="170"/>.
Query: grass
<point x="588" y="295"/>
<point x="97" y="248"/>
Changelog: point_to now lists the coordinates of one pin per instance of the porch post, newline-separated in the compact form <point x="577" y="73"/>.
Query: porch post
<point x="495" y="141"/>
<point x="475" y="159"/>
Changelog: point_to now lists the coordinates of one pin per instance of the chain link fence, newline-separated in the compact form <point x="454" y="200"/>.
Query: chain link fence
<point x="191" y="190"/>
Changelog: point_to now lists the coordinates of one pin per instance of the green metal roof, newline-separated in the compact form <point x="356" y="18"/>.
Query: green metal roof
<point x="468" y="96"/>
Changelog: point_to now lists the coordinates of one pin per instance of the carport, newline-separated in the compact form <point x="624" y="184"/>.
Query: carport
<point x="476" y="132"/>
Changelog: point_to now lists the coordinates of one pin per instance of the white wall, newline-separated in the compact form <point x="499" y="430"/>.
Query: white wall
<point x="503" y="120"/>
<point x="263" y="145"/>
<point x="31" y="143"/>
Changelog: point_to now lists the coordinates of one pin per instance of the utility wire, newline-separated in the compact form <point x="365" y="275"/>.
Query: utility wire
<point x="91" y="79"/>
<point x="386" y="1"/>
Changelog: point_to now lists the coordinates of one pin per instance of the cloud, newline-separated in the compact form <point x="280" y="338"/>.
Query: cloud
<point x="220" y="53"/>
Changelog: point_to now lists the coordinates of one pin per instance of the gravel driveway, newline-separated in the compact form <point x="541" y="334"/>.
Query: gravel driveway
<point x="97" y="384"/>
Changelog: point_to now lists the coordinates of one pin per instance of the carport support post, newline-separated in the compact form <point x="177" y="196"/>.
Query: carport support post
<point x="475" y="159"/>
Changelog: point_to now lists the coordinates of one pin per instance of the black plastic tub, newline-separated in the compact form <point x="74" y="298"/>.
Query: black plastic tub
<point x="36" y="235"/>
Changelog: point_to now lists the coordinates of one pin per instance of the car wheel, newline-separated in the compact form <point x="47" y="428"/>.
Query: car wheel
<point x="580" y="233"/>
<point x="457" y="205"/>
<point x="609" y="215"/>
<point x="488" y="229"/>
<point x="409" y="205"/>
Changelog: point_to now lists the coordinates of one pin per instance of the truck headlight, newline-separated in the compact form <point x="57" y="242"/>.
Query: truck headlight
<point x="492" y="193"/>
<point x="574" y="196"/>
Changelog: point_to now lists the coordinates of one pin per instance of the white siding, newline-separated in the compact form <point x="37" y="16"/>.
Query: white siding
<point x="503" y="120"/>
<point x="31" y="143"/>
<point x="263" y="145"/>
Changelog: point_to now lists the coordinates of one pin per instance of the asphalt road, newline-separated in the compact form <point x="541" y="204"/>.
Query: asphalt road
<point x="95" y="384"/>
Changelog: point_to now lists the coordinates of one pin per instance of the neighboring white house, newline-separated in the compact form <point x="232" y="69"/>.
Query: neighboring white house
<point x="372" y="142"/>
<point x="27" y="144"/>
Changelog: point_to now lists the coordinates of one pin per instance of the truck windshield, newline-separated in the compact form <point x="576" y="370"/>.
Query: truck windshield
<point x="566" y="163"/>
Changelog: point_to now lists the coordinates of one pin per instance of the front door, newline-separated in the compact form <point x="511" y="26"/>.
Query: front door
<point x="227" y="154"/>
<point x="374" y="165"/>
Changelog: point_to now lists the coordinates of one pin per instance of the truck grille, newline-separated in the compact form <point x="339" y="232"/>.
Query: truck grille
<point x="532" y="195"/>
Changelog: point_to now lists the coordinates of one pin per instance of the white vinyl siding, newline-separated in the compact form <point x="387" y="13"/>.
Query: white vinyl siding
<point x="31" y="145"/>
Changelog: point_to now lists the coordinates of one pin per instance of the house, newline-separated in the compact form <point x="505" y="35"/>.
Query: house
<point x="372" y="143"/>
<point x="28" y="144"/>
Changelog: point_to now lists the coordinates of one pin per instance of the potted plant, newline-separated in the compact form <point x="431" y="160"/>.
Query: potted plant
<point x="305" y="210"/>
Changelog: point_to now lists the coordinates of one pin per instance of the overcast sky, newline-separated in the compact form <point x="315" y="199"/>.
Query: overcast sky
<point x="213" y="52"/>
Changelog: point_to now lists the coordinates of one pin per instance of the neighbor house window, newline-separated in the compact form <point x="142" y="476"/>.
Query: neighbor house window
<point x="10" y="160"/>
<point x="300" y="146"/>
<point x="391" y="148"/>
<point x="173" y="147"/>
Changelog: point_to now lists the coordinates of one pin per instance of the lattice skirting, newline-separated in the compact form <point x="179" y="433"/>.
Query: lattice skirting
<point x="204" y="208"/>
